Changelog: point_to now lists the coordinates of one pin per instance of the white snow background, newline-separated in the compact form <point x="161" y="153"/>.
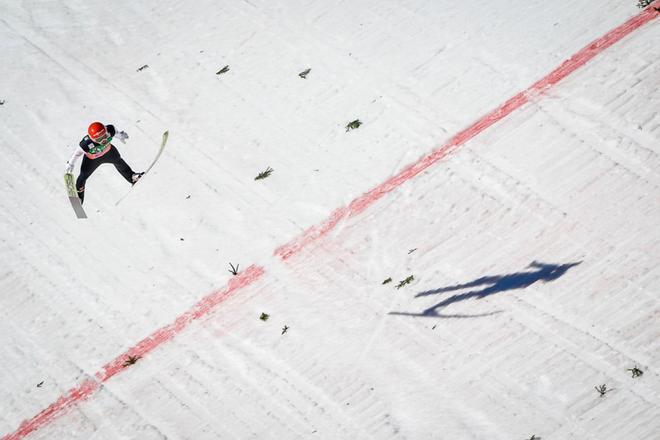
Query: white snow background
<point x="515" y="338"/>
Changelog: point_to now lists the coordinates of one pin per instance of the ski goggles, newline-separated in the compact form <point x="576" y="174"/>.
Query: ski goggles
<point x="103" y="140"/>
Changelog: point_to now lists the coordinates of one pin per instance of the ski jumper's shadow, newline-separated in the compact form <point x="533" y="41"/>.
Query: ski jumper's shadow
<point x="491" y="285"/>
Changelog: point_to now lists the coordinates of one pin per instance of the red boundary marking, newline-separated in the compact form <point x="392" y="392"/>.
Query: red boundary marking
<point x="367" y="199"/>
<point x="88" y="387"/>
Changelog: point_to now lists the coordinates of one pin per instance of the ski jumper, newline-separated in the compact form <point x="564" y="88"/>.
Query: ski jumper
<point x="96" y="154"/>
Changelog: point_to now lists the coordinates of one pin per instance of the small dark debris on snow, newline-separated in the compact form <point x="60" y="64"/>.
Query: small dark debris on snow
<point x="304" y="73"/>
<point x="2" y="102"/>
<point x="233" y="270"/>
<point x="602" y="390"/>
<point x="636" y="372"/>
<point x="188" y="196"/>
<point x="181" y="238"/>
<point x="285" y="329"/>
<point x="131" y="360"/>
<point x="146" y="66"/>
<point x="353" y="125"/>
<point x="40" y="384"/>
<point x="433" y="328"/>
<point x="534" y="437"/>
<point x="264" y="316"/>
<point x="389" y="280"/>
<point x="264" y="174"/>
<point x="411" y="251"/>
<point x="223" y="70"/>
<point x="408" y="280"/>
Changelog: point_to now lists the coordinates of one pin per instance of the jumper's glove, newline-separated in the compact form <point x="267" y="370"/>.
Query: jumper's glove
<point x="122" y="135"/>
<point x="69" y="168"/>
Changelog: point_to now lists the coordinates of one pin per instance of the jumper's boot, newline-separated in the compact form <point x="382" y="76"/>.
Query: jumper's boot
<point x="136" y="177"/>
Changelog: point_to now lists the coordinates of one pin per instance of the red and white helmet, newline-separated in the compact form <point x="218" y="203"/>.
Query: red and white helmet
<point x="96" y="131"/>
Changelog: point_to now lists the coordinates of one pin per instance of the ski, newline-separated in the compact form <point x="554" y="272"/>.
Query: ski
<point x="73" y="196"/>
<point x="160" y="151"/>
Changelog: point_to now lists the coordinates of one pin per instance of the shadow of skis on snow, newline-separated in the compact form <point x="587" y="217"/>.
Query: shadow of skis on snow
<point x="490" y="285"/>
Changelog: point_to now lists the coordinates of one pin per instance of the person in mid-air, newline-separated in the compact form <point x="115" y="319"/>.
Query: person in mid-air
<point x="98" y="149"/>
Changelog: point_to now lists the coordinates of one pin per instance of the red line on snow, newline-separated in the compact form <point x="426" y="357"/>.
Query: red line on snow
<point x="370" y="197"/>
<point x="89" y="386"/>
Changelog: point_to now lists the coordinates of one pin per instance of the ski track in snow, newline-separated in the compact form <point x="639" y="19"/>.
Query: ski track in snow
<point x="297" y="389"/>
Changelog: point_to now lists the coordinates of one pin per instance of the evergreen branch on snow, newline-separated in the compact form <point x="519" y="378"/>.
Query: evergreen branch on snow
<point x="602" y="390"/>
<point x="131" y="360"/>
<point x="223" y="70"/>
<point x="264" y="174"/>
<point x="353" y="125"/>
<point x="636" y="372"/>
<point x="304" y="73"/>
<point x="408" y="280"/>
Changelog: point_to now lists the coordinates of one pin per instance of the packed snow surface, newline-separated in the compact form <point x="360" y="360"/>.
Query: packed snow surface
<point x="525" y="265"/>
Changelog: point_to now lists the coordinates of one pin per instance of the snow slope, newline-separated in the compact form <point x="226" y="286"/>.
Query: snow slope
<point x="534" y="246"/>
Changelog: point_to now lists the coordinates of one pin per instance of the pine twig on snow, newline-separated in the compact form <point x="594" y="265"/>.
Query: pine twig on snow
<point x="636" y="372"/>
<point x="408" y="280"/>
<point x="353" y="125"/>
<point x="264" y="174"/>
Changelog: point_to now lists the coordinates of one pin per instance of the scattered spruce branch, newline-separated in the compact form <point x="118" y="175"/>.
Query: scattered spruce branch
<point x="304" y="73"/>
<point x="146" y="66"/>
<point x="264" y="174"/>
<point x="411" y="251"/>
<point x="264" y="316"/>
<point x="233" y="270"/>
<point x="602" y="390"/>
<point x="406" y="281"/>
<point x="2" y="102"/>
<point x="534" y="437"/>
<point x="40" y="384"/>
<point x="641" y="4"/>
<point x="389" y="280"/>
<point x="285" y="329"/>
<point x="223" y="70"/>
<point x="131" y="360"/>
<point x="188" y="197"/>
<point x="636" y="372"/>
<point x="353" y="125"/>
